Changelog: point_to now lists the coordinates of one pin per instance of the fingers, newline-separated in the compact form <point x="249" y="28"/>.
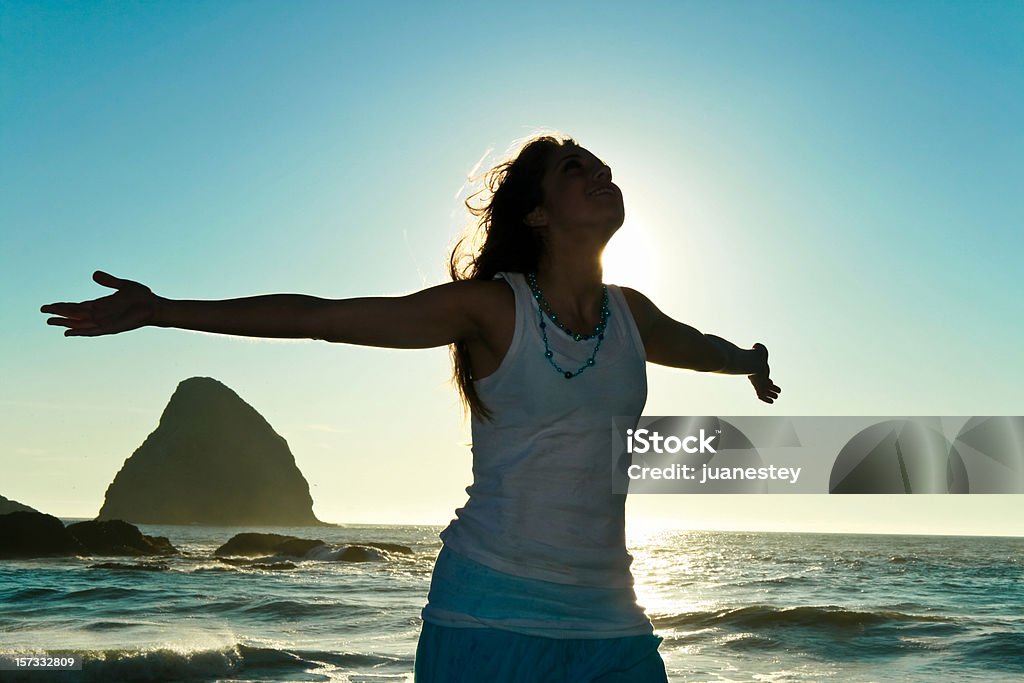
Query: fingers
<point x="108" y="280"/>
<point x="71" y="322"/>
<point x="68" y="310"/>
<point x="77" y="328"/>
<point x="766" y="390"/>
<point x="107" y="315"/>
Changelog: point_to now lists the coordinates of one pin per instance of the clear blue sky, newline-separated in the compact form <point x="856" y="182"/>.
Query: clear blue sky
<point x="840" y="181"/>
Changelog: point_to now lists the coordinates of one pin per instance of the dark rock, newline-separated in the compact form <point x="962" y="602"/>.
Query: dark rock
<point x="212" y="460"/>
<point x="274" y="566"/>
<point x="7" y="506"/>
<point x="297" y="547"/>
<point x="152" y="567"/>
<point x="361" y="553"/>
<point x="34" y="534"/>
<point x="117" y="537"/>
<point x="163" y="545"/>
<point x="250" y="544"/>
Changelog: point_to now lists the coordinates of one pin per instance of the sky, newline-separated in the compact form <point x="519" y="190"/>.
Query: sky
<point x="839" y="181"/>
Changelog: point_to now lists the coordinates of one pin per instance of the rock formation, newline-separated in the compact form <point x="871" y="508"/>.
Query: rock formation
<point x="116" y="537"/>
<point x="34" y="534"/>
<point x="13" y="506"/>
<point x="212" y="460"/>
<point x="276" y="545"/>
<point x="267" y="544"/>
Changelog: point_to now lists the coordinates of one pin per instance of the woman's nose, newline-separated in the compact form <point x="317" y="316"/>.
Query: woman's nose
<point x="603" y="172"/>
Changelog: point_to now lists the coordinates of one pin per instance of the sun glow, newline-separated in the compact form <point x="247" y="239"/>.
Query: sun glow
<point x="628" y="259"/>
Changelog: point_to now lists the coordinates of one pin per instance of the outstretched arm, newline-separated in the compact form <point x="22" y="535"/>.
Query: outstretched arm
<point x="432" y="317"/>
<point x="675" y="344"/>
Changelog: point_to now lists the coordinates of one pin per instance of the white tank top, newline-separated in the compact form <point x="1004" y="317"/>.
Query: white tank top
<point x="541" y="504"/>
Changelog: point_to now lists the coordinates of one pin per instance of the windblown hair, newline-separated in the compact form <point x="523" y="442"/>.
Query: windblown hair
<point x="511" y="190"/>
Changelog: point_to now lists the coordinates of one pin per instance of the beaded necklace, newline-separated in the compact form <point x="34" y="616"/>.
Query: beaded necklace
<point x="598" y="332"/>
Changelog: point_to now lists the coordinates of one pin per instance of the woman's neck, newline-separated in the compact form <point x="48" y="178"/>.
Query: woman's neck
<point x="572" y="287"/>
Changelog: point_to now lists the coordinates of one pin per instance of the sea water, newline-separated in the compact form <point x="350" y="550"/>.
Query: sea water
<point x="765" y="607"/>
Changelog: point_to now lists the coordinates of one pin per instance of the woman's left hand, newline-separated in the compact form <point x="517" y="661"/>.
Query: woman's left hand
<point x="766" y="390"/>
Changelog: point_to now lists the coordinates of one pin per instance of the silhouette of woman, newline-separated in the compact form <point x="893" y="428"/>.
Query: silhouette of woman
<point x="532" y="582"/>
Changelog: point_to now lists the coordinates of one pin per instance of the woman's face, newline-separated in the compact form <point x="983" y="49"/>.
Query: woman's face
<point x="579" y="194"/>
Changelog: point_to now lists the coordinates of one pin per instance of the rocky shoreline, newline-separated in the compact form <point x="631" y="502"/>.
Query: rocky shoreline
<point x="33" y="535"/>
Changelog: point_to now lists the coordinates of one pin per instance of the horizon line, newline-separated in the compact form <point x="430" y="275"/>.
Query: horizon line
<point x="658" y="529"/>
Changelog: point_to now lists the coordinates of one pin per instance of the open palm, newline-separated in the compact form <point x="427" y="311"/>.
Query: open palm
<point x="130" y="307"/>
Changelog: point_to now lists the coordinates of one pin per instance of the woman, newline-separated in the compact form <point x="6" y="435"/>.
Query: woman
<point x="532" y="582"/>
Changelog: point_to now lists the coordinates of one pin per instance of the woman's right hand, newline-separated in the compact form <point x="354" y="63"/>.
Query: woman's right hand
<point x="131" y="306"/>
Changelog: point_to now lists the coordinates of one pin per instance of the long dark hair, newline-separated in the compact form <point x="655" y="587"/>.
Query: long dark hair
<point x="511" y="190"/>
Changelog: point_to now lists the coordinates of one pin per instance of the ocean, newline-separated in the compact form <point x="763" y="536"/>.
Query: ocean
<point x="731" y="606"/>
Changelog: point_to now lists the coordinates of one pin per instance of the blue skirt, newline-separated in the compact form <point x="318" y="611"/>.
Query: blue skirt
<point x="484" y="625"/>
<point x="465" y="593"/>
<point x="470" y="655"/>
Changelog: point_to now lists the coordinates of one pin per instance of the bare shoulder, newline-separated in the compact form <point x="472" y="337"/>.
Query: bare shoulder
<point x="491" y="306"/>
<point x="642" y="308"/>
<point x="484" y="295"/>
<point x="487" y="288"/>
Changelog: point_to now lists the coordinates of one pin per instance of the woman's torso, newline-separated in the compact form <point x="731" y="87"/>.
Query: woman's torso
<point x="541" y="519"/>
<point x="541" y="504"/>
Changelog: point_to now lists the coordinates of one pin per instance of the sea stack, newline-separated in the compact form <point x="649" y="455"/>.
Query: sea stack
<point x="213" y="460"/>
